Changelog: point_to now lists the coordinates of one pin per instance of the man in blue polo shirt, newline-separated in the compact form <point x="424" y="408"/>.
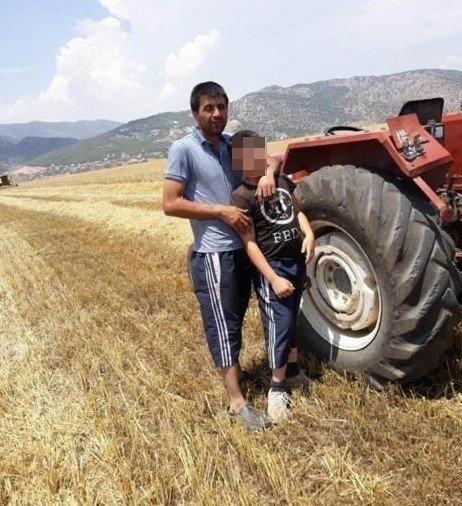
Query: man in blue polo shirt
<point x="199" y="182"/>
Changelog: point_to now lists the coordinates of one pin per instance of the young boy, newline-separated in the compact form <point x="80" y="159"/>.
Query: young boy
<point x="277" y="249"/>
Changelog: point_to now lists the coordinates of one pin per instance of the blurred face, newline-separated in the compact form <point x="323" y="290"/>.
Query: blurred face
<point x="250" y="159"/>
<point x="212" y="115"/>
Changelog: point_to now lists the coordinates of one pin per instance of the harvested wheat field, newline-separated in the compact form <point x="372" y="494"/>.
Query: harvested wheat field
<point x="108" y="395"/>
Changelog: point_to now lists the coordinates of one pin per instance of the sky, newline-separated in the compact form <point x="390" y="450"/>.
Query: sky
<point x="66" y="60"/>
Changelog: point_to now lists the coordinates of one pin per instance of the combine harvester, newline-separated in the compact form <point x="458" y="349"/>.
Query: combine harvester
<point x="386" y="208"/>
<point x="5" y="180"/>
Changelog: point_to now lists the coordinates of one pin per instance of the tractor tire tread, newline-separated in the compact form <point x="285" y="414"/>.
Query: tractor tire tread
<point x="417" y="254"/>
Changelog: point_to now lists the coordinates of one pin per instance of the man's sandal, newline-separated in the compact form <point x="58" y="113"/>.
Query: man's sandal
<point x="250" y="418"/>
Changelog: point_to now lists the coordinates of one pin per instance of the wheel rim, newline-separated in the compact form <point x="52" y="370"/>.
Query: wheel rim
<point x="342" y="301"/>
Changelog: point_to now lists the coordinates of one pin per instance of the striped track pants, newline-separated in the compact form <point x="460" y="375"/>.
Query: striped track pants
<point x="222" y="287"/>
<point x="279" y="316"/>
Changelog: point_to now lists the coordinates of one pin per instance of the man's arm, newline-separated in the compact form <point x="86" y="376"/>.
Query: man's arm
<point x="267" y="183"/>
<point x="175" y="205"/>
<point x="282" y="287"/>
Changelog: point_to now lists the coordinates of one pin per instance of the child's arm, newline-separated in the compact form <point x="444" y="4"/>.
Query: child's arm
<point x="305" y="227"/>
<point x="282" y="287"/>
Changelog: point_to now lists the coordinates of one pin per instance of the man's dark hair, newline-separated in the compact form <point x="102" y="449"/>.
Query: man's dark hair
<point x="237" y="140"/>
<point x="209" y="89"/>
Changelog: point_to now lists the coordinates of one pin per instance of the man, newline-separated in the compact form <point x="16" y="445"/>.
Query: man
<point x="199" y="182"/>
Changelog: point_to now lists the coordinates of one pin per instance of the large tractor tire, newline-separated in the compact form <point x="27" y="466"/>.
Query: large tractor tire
<point x="382" y="289"/>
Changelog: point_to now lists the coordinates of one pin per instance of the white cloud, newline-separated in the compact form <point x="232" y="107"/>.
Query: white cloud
<point x="144" y="12"/>
<point x="96" y="76"/>
<point x="107" y="72"/>
<point x="119" y="8"/>
<point x="146" y="55"/>
<point x="185" y="62"/>
<point x="189" y="58"/>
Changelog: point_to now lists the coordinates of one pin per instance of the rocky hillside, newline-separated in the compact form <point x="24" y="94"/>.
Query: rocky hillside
<point x="276" y="112"/>
<point x="311" y="107"/>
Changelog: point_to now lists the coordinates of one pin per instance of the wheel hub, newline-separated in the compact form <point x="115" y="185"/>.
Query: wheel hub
<point x="334" y="281"/>
<point x="343" y="299"/>
<point x="344" y="290"/>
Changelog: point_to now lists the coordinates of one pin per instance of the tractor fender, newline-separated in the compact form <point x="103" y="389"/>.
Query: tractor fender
<point x="381" y="150"/>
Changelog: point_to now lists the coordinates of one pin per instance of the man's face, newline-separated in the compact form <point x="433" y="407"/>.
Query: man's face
<point x="212" y="115"/>
<point x="250" y="159"/>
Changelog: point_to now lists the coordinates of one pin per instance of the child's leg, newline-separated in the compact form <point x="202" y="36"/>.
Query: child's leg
<point x="292" y="363"/>
<point x="278" y="375"/>
<point x="276" y="320"/>
<point x="299" y="281"/>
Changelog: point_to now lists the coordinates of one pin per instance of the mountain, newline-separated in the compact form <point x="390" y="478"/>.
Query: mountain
<point x="6" y="142"/>
<point x="150" y="136"/>
<point x="14" y="152"/>
<point x="276" y="112"/>
<point x="76" y="129"/>
<point x="306" y="108"/>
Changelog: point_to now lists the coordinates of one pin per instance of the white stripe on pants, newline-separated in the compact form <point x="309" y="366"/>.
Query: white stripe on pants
<point x="213" y="272"/>
<point x="271" y="323"/>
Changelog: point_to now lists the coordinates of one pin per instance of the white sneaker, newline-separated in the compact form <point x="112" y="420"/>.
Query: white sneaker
<point x="278" y="405"/>
<point x="300" y="380"/>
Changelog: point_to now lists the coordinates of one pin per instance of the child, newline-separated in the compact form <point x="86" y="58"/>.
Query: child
<point x="276" y="248"/>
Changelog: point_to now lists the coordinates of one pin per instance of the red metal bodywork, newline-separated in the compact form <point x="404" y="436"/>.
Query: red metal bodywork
<point x="453" y="143"/>
<point x="382" y="150"/>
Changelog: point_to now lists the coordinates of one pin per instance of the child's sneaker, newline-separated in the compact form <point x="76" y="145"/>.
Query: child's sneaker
<point x="278" y="404"/>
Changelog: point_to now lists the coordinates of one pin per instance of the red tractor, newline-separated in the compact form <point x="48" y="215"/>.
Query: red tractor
<point x="386" y="208"/>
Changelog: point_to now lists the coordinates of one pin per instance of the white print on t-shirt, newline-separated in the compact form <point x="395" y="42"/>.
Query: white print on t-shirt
<point x="278" y="209"/>
<point x="285" y="235"/>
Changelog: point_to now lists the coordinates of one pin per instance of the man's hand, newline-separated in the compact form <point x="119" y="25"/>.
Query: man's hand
<point x="275" y="158"/>
<point x="308" y="247"/>
<point x="236" y="218"/>
<point x="282" y="287"/>
<point x="267" y="184"/>
<point x="266" y="187"/>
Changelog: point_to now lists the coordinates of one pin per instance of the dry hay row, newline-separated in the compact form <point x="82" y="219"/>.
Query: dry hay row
<point x="110" y="396"/>
<point x="152" y="204"/>
<point x="112" y="216"/>
<point x="145" y="190"/>
<point x="149" y="171"/>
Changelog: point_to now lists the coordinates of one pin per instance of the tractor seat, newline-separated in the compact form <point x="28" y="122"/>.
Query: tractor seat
<point x="428" y="110"/>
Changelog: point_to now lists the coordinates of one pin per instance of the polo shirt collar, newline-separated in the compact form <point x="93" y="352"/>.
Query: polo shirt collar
<point x="198" y="135"/>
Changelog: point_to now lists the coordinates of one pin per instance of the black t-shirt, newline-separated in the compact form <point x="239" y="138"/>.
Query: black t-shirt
<point x="276" y="226"/>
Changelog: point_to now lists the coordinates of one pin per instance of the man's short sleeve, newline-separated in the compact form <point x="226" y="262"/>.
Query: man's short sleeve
<point x="178" y="163"/>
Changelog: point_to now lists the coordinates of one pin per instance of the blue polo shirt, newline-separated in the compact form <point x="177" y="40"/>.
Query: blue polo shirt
<point x="208" y="179"/>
